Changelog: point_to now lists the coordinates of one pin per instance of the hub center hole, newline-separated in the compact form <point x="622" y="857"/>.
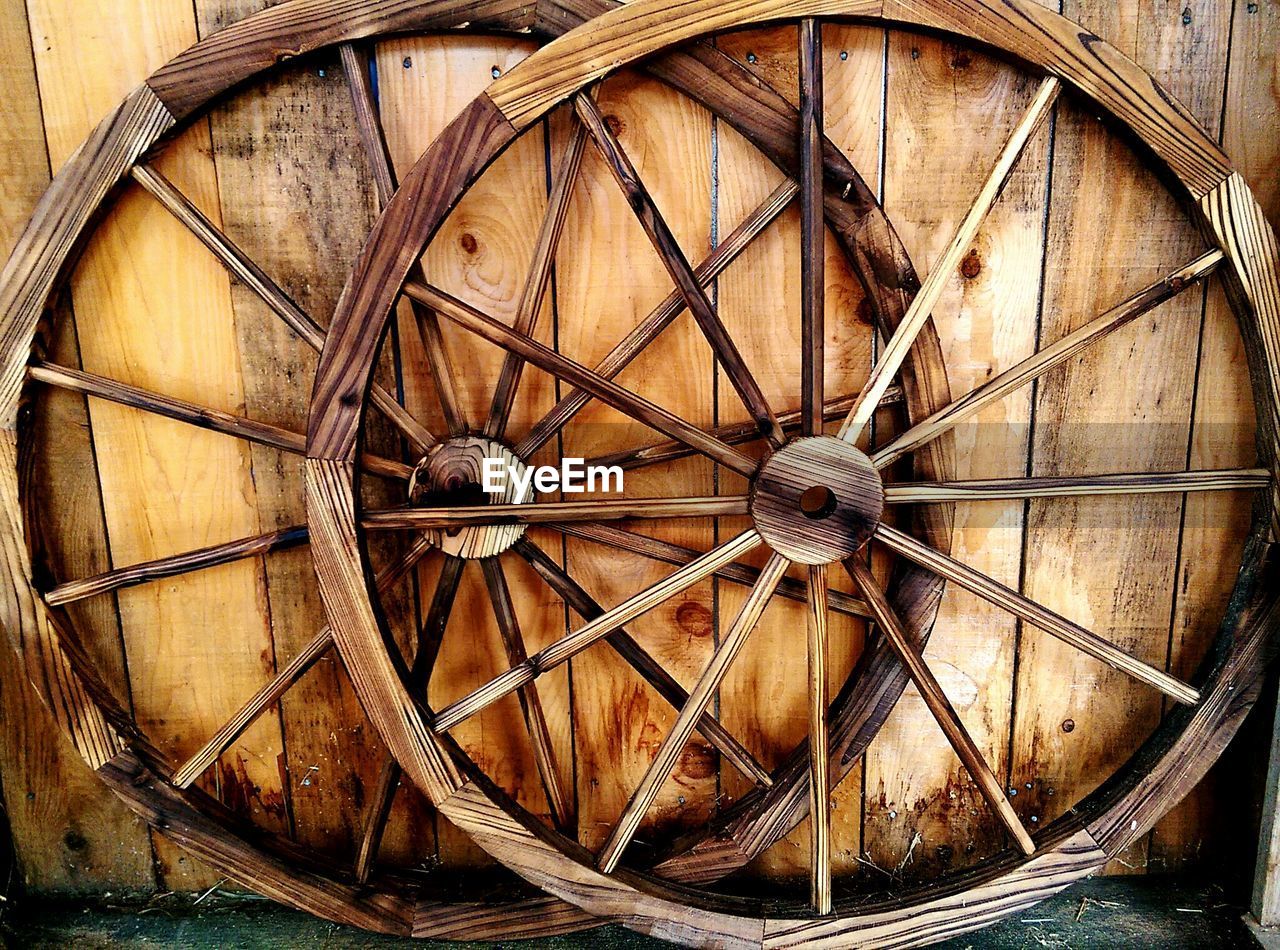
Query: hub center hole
<point x="817" y="502"/>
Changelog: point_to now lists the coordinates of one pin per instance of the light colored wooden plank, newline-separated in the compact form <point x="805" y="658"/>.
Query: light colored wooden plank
<point x="482" y="255"/>
<point x="167" y="486"/>
<point x="1223" y="433"/>
<point x="1123" y="407"/>
<point x="69" y="832"/>
<point x="601" y="297"/>
<point x="949" y="110"/>
<point x="304" y="228"/>
<point x="765" y="695"/>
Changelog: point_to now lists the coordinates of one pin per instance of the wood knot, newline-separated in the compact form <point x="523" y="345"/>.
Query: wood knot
<point x="971" y="266"/>
<point x="697" y="761"/>
<point x="694" y="619"/>
<point x="961" y="60"/>
<point x="615" y="124"/>
<point x="74" y="840"/>
<point x="863" y="310"/>
<point x="1068" y="725"/>
<point x="469" y="243"/>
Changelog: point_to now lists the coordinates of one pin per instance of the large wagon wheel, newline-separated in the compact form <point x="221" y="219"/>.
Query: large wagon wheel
<point x="814" y="499"/>
<point x="103" y="732"/>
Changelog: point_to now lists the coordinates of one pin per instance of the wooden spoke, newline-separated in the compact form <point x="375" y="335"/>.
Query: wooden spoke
<point x="941" y="708"/>
<point x="246" y="270"/>
<point x="431" y="633"/>
<point x="677" y="265"/>
<point x="265" y="697"/>
<point x="1142" y="483"/>
<point x="64" y="377"/>
<point x="639" y="659"/>
<point x="177" y="564"/>
<point x="608" y="392"/>
<point x="430" y="636"/>
<point x="647" y="330"/>
<point x="734" y="433"/>
<point x="535" y="719"/>
<point x="355" y="64"/>
<point x="1046" y="359"/>
<point x="895" y="351"/>
<point x="535" y="285"/>
<point x="419" y="518"/>
<point x="1028" y="610"/>
<point x="376" y="815"/>
<point x="669" y="553"/>
<point x="819" y="744"/>
<point x="567" y="647"/>
<point x="662" y="764"/>
<point x="812" y="248"/>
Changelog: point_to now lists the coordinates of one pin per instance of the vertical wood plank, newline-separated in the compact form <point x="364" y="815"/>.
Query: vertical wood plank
<point x="949" y="111"/>
<point x="1112" y="227"/>
<point x="195" y="645"/>
<point x="296" y="196"/>
<point x="609" y="277"/>
<point x="764" y="699"/>
<point x="1214" y="526"/>
<point x="481" y="255"/>
<point x="69" y="832"/>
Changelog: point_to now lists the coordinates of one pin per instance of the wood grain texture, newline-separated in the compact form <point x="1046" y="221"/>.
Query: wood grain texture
<point x="1089" y="418"/>
<point x="293" y="29"/>
<point x="69" y="832"/>
<point x="197" y="560"/>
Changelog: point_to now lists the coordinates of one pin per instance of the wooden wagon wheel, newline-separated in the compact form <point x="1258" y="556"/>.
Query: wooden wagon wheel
<point x="103" y="731"/>
<point x="791" y="501"/>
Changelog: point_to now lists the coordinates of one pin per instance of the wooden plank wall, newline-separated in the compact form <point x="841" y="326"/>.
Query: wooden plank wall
<point x="280" y="168"/>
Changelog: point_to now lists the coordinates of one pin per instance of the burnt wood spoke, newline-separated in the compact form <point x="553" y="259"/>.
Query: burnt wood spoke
<point x="535" y="719"/>
<point x="376" y="815"/>
<point x="176" y="564"/>
<point x="247" y="271"/>
<point x="535" y="285"/>
<point x="608" y="392"/>
<point x="430" y="637"/>
<point x="263" y="433"/>
<point x="1139" y="483"/>
<point x="271" y="692"/>
<point x="941" y="708"/>
<point x="669" y="752"/>
<point x="669" y="553"/>
<point x="733" y="433"/>
<point x="812" y="249"/>
<point x="650" y="670"/>
<point x="570" y="646"/>
<point x="647" y="330"/>
<point x="385" y="519"/>
<point x="355" y="64"/>
<point x="819" y="744"/>
<point x="1046" y="359"/>
<point x="1035" y="614"/>
<point x="895" y="351"/>
<point x="682" y="274"/>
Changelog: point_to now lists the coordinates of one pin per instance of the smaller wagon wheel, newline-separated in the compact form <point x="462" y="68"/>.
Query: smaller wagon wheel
<point x="814" y="499"/>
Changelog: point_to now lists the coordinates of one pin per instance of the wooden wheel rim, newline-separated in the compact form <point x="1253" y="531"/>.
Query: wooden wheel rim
<point x="101" y="731"/>
<point x="1070" y="848"/>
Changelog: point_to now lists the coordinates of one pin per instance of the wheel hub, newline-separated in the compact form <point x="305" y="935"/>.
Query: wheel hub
<point x="451" y="475"/>
<point x="817" y="500"/>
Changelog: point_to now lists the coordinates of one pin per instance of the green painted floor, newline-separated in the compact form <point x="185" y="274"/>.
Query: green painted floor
<point x="1135" y="912"/>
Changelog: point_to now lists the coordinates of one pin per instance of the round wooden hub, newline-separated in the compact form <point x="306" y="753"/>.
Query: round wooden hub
<point x="817" y="500"/>
<point x="451" y="475"/>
